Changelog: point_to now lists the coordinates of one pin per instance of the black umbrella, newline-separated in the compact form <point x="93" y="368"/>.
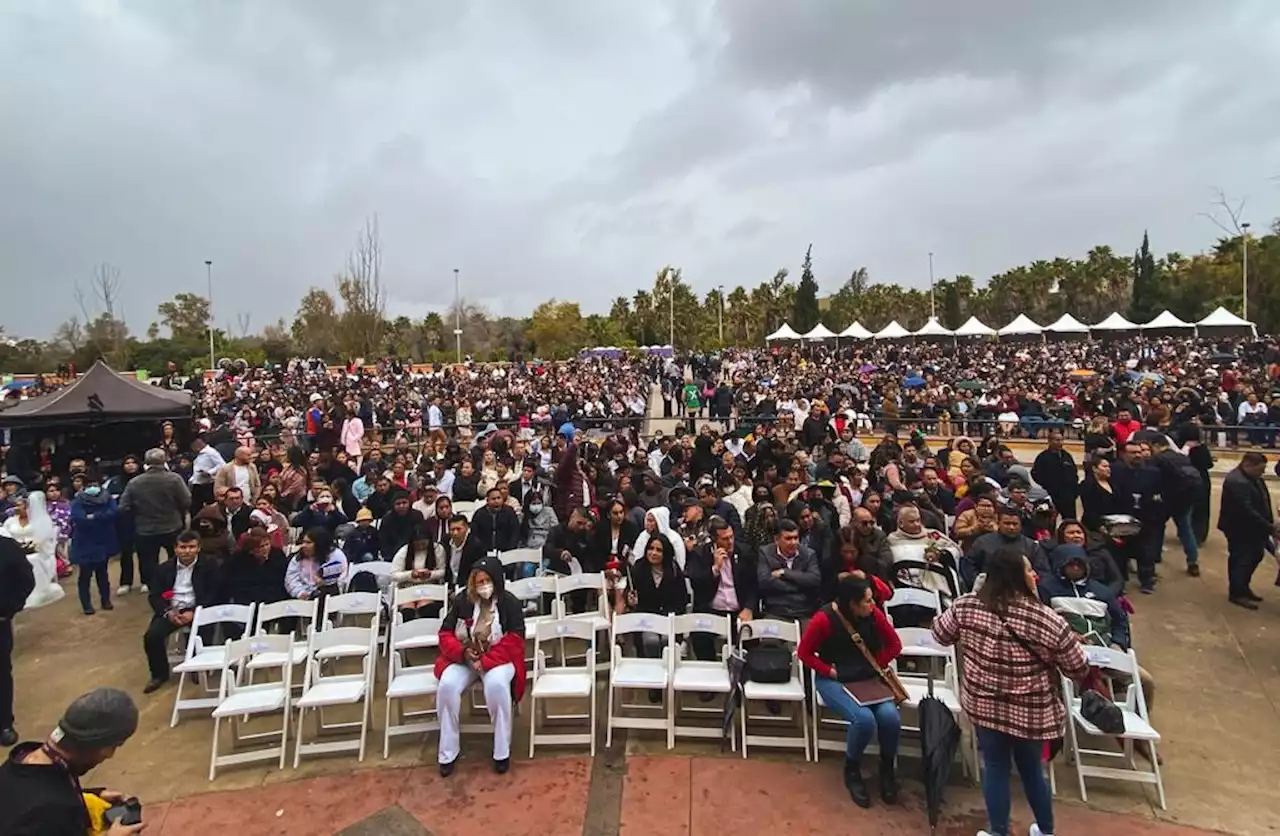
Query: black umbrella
<point x="737" y="676"/>
<point x="939" y="737"/>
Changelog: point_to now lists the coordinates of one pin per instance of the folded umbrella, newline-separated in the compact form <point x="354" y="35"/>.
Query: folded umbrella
<point x="939" y="737"/>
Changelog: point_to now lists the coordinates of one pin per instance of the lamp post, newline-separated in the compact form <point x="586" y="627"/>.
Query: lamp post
<point x="933" y="313"/>
<point x="671" y="309"/>
<point x="457" y="314"/>
<point x="208" y="276"/>
<point x="720" y="290"/>
<point x="1244" y="302"/>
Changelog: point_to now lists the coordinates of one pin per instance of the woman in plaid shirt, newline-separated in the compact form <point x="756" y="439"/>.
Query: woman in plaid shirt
<point x="1014" y="649"/>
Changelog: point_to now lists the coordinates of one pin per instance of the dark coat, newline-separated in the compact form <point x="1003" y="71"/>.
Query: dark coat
<point x="396" y="530"/>
<point x="498" y="531"/>
<point x="206" y="579"/>
<point x="1246" y="513"/>
<point x="600" y="544"/>
<point x="17" y="580"/>
<point x="699" y="565"/>
<point x="246" y="581"/>
<point x="1056" y="472"/>
<point x="93" y="529"/>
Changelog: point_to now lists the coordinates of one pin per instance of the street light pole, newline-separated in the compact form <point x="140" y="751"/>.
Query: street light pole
<point x="671" y="301"/>
<point x="933" y="312"/>
<point x="208" y="276"/>
<point x="721" y="291"/>
<point x="457" y="313"/>
<point x="1244" y="302"/>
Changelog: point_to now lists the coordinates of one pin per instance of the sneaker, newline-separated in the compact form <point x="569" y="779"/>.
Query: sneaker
<point x="1147" y="590"/>
<point x="124" y="589"/>
<point x="1241" y="601"/>
<point x="88" y="611"/>
<point x="1194" y="570"/>
<point x="1036" y="831"/>
<point x="1257" y="599"/>
<point x="143" y="589"/>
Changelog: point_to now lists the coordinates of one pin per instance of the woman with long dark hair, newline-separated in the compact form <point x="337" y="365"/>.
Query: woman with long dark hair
<point x="130" y="467"/>
<point x="1015" y="650"/>
<point x="294" y="479"/>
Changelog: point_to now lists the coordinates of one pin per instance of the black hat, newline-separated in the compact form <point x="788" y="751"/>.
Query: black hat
<point x="98" y="720"/>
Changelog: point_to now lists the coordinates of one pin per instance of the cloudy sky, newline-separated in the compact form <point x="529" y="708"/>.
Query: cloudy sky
<point x="570" y="148"/>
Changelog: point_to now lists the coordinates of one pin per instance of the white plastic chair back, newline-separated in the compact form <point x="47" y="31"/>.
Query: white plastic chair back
<point x="518" y="557"/>
<point x="421" y="592"/>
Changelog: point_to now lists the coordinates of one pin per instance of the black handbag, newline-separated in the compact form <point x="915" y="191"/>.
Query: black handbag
<point x="766" y="663"/>
<point x="1105" y="715"/>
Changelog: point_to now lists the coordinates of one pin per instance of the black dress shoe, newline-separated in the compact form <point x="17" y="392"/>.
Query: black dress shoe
<point x="1257" y="599"/>
<point x="854" y="783"/>
<point x="108" y="606"/>
<point x="446" y="769"/>
<point x="8" y="737"/>
<point x="1194" y="570"/>
<point x="155" y="685"/>
<point x="1241" y="601"/>
<point x="502" y="767"/>
<point x="888" y="782"/>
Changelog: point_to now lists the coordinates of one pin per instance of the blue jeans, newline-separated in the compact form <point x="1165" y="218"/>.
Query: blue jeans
<point x="1187" y="536"/>
<point x="999" y="750"/>
<point x="865" y="721"/>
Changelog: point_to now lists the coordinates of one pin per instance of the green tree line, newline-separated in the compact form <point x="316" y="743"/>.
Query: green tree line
<point x="348" y="320"/>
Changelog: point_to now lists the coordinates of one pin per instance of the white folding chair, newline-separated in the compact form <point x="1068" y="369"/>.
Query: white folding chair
<point x="562" y="682"/>
<point x="1137" y="724"/>
<point x="639" y="673"/>
<point x="380" y="569"/>
<point x="201" y="660"/>
<point x="405" y="682"/>
<point x="905" y="596"/>
<point x="703" y="677"/>
<point x="349" y="606"/>
<point x="417" y="594"/>
<point x="918" y="644"/>
<point x="305" y="611"/>
<point x="531" y="591"/>
<point x="320" y="690"/>
<point x="822" y="720"/>
<point x="791" y="691"/>
<point x="522" y="558"/>
<point x="236" y="700"/>
<point x="466" y="509"/>
<point x="592" y="583"/>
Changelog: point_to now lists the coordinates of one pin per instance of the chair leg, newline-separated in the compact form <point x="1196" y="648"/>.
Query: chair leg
<point x="284" y="733"/>
<point x="213" y="756"/>
<point x="608" y="732"/>
<point x="672" y="713"/>
<point x="364" y="725"/>
<point x="533" y="724"/>
<point x="177" y="698"/>
<point x="1155" y="766"/>
<point x="297" y="748"/>
<point x="593" y="711"/>
<point x="804" y="728"/>
<point x="386" y="732"/>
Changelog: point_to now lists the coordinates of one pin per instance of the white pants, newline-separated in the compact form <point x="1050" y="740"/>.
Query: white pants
<point x="497" y="696"/>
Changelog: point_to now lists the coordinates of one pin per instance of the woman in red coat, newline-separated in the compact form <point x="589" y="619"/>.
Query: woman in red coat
<point x="829" y="646"/>
<point x="482" y="638"/>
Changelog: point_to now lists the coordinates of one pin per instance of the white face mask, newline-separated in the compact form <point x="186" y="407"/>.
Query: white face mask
<point x="485" y="591"/>
<point x="535" y="508"/>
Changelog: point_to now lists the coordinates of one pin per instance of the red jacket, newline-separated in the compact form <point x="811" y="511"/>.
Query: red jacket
<point x="510" y="648"/>
<point x="820" y="629"/>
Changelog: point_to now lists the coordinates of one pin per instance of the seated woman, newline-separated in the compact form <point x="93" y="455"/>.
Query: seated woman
<point x="836" y="645"/>
<point x="975" y="521"/>
<point x="255" y="572"/>
<point x="481" y="639"/>
<point x="322" y="513"/>
<point x="319" y="568"/>
<point x="421" y="560"/>
<point x="658" y="521"/>
<point x="276" y="524"/>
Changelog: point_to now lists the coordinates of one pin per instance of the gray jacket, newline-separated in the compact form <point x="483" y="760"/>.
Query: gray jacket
<point x="795" y="593"/>
<point x="159" y="500"/>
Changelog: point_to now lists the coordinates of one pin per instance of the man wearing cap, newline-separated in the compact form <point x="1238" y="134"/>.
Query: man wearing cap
<point x="158" y="500"/>
<point x="40" y="782"/>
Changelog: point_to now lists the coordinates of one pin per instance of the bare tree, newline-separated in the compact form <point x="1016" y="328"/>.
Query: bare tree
<point x="364" y="299"/>
<point x="70" y="335"/>
<point x="1231" y="224"/>
<point x="242" y="323"/>
<point x="106" y="328"/>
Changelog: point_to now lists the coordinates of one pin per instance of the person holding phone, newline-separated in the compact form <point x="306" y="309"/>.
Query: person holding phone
<point x="848" y="643"/>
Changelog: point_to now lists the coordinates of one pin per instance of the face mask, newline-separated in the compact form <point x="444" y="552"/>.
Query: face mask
<point x="92" y="490"/>
<point x="485" y="591"/>
<point x="324" y="500"/>
<point x="535" y="508"/>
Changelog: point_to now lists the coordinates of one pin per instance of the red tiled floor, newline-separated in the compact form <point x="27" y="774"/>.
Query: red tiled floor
<point x="655" y="796"/>
<point x="543" y="798"/>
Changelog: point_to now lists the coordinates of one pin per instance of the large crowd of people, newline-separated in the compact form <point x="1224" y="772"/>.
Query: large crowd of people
<point x="295" y="475"/>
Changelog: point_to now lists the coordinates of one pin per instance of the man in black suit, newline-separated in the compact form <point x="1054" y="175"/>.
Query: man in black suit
<point x="16" y="582"/>
<point x="462" y="550"/>
<point x="527" y="483"/>
<point x="178" y="586"/>
<point x="724" y="580"/>
<point x="1249" y="524"/>
<point x="236" y="512"/>
<point x="495" y="524"/>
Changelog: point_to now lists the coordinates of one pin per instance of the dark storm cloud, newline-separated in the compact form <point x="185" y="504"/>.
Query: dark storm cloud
<point x="571" y="148"/>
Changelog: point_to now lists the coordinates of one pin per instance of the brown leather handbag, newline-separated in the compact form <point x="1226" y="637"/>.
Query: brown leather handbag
<point x="887" y="676"/>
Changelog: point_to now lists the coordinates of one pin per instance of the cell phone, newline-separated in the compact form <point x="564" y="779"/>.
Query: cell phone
<point x="128" y="812"/>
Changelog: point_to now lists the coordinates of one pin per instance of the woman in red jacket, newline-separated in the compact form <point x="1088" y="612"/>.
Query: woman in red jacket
<point x="828" y="646"/>
<point x="482" y="638"/>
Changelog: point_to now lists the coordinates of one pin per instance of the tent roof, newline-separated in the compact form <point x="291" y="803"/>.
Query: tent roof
<point x="856" y="331"/>
<point x="1115" y="322"/>
<point x="1223" y="317"/>
<point x="934" y="328"/>
<point x="892" y="331"/>
<point x="1165" y="319"/>
<point x="1021" y="325"/>
<point x="820" y="332"/>
<point x="1067" y="324"/>
<point x="974" y="327"/>
<point x="99" y="395"/>
<point x="786" y="332"/>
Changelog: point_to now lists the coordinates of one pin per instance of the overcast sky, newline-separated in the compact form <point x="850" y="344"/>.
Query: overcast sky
<point x="570" y="148"/>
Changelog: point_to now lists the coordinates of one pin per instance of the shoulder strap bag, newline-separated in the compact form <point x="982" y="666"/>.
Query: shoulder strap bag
<point x="887" y="676"/>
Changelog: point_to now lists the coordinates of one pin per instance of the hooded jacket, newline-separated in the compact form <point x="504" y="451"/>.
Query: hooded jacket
<point x="971" y="565"/>
<point x="93" y="532"/>
<point x="1102" y="566"/>
<point x="661" y="516"/>
<point x="1088" y="605"/>
<point x="215" y="538"/>
<point x="456" y="627"/>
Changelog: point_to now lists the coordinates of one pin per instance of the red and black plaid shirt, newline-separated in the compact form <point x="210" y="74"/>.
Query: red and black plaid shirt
<point x="1004" y="687"/>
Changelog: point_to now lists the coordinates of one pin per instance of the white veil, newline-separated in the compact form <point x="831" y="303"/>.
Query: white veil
<point x="44" y="564"/>
<point x="43" y="532"/>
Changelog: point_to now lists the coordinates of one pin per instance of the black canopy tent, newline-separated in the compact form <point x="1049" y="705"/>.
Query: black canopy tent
<point x="99" y="396"/>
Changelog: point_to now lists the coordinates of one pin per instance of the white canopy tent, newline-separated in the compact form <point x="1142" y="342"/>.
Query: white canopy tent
<point x="786" y="332"/>
<point x="892" y="331"/>
<point x="1067" y="325"/>
<point x="1223" y="322"/>
<point x="820" y="332"/>
<point x="1167" y="321"/>
<point x="934" y="328"/>
<point x="856" y="331"/>
<point x="1022" y="326"/>
<point x="974" y="327"/>
<point x="1113" y="323"/>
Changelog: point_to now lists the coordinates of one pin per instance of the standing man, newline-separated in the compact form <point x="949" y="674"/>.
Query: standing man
<point x="158" y="500"/>
<point x="239" y="473"/>
<point x="204" y="471"/>
<point x="1137" y="485"/>
<point x="16" y="583"/>
<point x="1055" y="470"/>
<point x="1249" y="524"/>
<point x="1180" y="486"/>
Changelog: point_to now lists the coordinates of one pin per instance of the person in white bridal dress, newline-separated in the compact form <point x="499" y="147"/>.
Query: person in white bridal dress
<point x="33" y="528"/>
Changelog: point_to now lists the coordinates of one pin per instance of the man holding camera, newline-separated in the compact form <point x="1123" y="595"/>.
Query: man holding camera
<point x="40" y="793"/>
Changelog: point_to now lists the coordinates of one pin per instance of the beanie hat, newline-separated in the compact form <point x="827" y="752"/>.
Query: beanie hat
<point x="98" y="720"/>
